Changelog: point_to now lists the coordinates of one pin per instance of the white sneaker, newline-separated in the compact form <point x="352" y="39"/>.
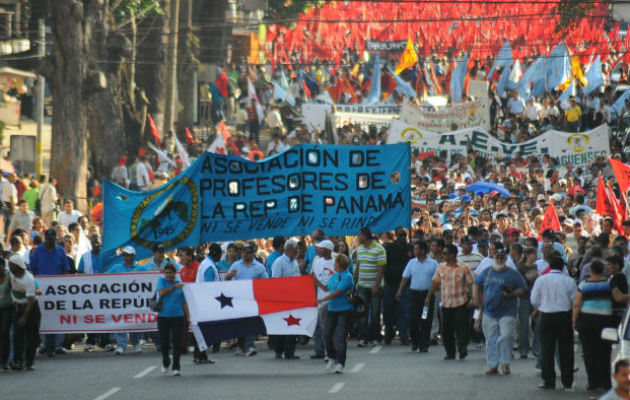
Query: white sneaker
<point x="164" y="369"/>
<point x="338" y="369"/>
<point x="137" y="348"/>
<point x="143" y="341"/>
<point x="331" y="364"/>
<point x="88" y="347"/>
<point x="374" y="343"/>
<point x="362" y="343"/>
<point x="175" y="372"/>
<point x="251" y="352"/>
<point x="120" y="350"/>
<point x="239" y="353"/>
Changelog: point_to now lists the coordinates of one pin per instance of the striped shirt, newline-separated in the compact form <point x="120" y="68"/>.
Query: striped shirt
<point x="472" y="260"/>
<point x="369" y="259"/>
<point x="596" y="297"/>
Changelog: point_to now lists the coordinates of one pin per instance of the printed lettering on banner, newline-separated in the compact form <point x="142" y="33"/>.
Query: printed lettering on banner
<point x="465" y="115"/>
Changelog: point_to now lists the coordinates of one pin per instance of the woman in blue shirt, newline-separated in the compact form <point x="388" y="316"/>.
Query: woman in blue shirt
<point x="171" y="316"/>
<point x="339" y="309"/>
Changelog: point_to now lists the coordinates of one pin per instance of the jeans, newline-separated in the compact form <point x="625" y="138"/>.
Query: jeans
<point x="246" y="342"/>
<point x="499" y="333"/>
<point x="556" y="329"/>
<point x="25" y="337"/>
<point x="121" y="339"/>
<point x="420" y="329"/>
<point x="6" y="317"/>
<point x="318" y="336"/>
<point x="525" y="310"/>
<point x="335" y="335"/>
<point x="171" y="327"/>
<point x="596" y="351"/>
<point x="395" y="313"/>
<point x="455" y="325"/>
<point x="52" y="342"/>
<point x="370" y="324"/>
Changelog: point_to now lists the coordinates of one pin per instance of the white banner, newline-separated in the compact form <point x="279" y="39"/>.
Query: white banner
<point x="578" y="149"/>
<point x="363" y="119"/>
<point x="377" y="108"/>
<point x="97" y="303"/>
<point x="466" y="115"/>
<point x="314" y="115"/>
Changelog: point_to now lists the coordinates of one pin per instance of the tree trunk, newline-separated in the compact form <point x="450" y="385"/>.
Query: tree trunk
<point x="186" y="85"/>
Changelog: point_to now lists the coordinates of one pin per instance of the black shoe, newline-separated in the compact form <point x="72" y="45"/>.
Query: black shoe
<point x="463" y="355"/>
<point x="60" y="351"/>
<point x="449" y="357"/>
<point x="545" y="386"/>
<point x="424" y="349"/>
<point x="50" y="354"/>
<point x="405" y="342"/>
<point x="216" y="348"/>
<point x="414" y="348"/>
<point x="433" y="342"/>
<point x="15" y="366"/>
<point x="293" y="357"/>
<point x="523" y="356"/>
<point x="278" y="356"/>
<point x="317" y="356"/>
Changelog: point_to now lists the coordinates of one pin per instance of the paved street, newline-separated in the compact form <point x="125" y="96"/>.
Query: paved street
<point x="371" y="373"/>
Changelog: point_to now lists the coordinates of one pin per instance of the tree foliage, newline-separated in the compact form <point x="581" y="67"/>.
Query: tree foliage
<point x="570" y="12"/>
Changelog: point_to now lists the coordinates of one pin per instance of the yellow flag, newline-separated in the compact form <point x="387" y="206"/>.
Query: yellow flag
<point x="576" y="70"/>
<point x="408" y="58"/>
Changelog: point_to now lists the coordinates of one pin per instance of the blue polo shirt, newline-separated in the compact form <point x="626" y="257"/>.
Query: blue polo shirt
<point x="420" y="273"/>
<point x="49" y="262"/>
<point x="122" y="268"/>
<point x="172" y="303"/>
<point x="97" y="263"/>
<point x="272" y="257"/>
<point x="340" y="281"/>
<point x="495" y="304"/>
<point x="243" y="272"/>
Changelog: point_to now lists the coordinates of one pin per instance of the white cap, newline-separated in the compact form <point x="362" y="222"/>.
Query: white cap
<point x="18" y="260"/>
<point x="326" y="244"/>
<point x="556" y="197"/>
<point x="447" y="227"/>
<point x="129" y="250"/>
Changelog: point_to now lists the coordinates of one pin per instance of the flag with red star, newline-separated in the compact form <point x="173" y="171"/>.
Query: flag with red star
<point x="227" y="309"/>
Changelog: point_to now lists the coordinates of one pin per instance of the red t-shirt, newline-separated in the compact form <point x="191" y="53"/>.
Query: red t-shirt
<point x="188" y="273"/>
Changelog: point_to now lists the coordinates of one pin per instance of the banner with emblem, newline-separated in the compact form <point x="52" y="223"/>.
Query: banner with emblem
<point x="339" y="189"/>
<point x="579" y="149"/>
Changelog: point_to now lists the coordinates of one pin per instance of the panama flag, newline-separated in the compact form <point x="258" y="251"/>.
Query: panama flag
<point x="228" y="309"/>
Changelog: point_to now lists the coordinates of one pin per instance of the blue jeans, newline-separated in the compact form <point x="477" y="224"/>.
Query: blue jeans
<point x="499" y="335"/>
<point x="335" y="334"/>
<point x="52" y="342"/>
<point x="121" y="338"/>
<point x="318" y="336"/>
<point x="525" y="310"/>
<point x="247" y="342"/>
<point x="395" y="313"/>
<point x="370" y="324"/>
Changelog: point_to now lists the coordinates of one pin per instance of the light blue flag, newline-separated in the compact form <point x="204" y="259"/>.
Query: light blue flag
<point x="504" y="59"/>
<point x="617" y="106"/>
<point x="564" y="97"/>
<point x="504" y="82"/>
<point x="593" y="77"/>
<point x="284" y="82"/>
<point x="402" y="86"/>
<point x="558" y="67"/>
<point x="281" y="94"/>
<point x="374" y="95"/>
<point x="533" y="74"/>
<point x="457" y="80"/>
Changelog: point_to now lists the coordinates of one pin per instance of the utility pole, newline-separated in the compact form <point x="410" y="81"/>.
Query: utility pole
<point x="41" y="89"/>
<point x="171" y="80"/>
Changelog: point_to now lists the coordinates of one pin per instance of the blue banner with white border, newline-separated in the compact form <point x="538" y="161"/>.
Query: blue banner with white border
<point x="339" y="189"/>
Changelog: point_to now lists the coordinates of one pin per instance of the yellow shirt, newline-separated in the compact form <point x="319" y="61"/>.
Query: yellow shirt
<point x="573" y="115"/>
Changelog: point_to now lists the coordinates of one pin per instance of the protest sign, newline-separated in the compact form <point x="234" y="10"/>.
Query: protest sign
<point x="578" y="149"/>
<point x="395" y="46"/>
<point x="377" y="108"/>
<point x="363" y="119"/>
<point x="314" y="115"/>
<point x="465" y="115"/>
<point x="339" y="189"/>
<point x="97" y="303"/>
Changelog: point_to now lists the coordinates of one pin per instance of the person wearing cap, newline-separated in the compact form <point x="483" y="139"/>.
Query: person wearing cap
<point x="50" y="259"/>
<point x="27" y="314"/>
<point x="395" y="310"/>
<point x="323" y="269"/>
<point x="418" y="274"/>
<point x="553" y="295"/>
<point x="513" y="235"/>
<point x="158" y="261"/>
<point x="501" y="286"/>
<point x="466" y="255"/>
<point x="286" y="266"/>
<point x="368" y="276"/>
<point x="128" y="265"/>
<point x="247" y="268"/>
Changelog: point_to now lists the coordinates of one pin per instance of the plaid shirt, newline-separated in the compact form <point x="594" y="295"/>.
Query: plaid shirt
<point x="454" y="283"/>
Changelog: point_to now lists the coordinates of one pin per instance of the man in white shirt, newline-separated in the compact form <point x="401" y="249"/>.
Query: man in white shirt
<point x="516" y="105"/>
<point x="553" y="295"/>
<point x="533" y="110"/>
<point x="69" y="214"/>
<point x="142" y="175"/>
<point x="9" y="200"/>
<point x="48" y="199"/>
<point x="323" y="268"/>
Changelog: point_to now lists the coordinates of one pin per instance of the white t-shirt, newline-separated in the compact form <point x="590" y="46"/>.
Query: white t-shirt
<point x="142" y="175"/>
<point x="22" y="288"/>
<point x="66" y="219"/>
<point x="322" y="270"/>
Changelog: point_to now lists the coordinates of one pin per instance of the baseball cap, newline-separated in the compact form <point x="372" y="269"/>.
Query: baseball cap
<point x="325" y="244"/>
<point x="18" y="260"/>
<point x="500" y="251"/>
<point x="466" y="239"/>
<point x="556" y="197"/>
<point x="158" y="248"/>
<point x="513" y="231"/>
<point x="483" y="242"/>
<point x="129" y="250"/>
<point x="447" y="227"/>
<point x="577" y="221"/>
<point x="466" y="199"/>
<point x="568" y="222"/>
<point x="431" y="186"/>
<point x="50" y="233"/>
<point x="541" y="197"/>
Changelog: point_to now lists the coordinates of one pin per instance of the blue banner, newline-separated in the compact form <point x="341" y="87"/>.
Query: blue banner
<point x="339" y="189"/>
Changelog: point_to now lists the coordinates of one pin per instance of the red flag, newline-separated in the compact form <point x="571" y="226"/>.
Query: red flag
<point x="307" y="91"/>
<point x="189" y="136"/>
<point x="618" y="216"/>
<point x="550" y="221"/>
<point x="222" y="84"/>
<point x="223" y="130"/>
<point x="154" y="131"/>
<point x="622" y="172"/>
<point x="604" y="204"/>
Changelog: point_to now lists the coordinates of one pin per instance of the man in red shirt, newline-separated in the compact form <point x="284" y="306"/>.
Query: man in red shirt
<point x="188" y="273"/>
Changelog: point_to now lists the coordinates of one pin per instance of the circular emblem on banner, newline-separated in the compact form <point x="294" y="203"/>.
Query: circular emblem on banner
<point x="578" y="142"/>
<point x="166" y="221"/>
<point x="411" y="135"/>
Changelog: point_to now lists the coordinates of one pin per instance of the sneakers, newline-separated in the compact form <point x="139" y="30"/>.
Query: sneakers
<point x="137" y="348"/>
<point x="143" y="341"/>
<point x="108" y="347"/>
<point x="374" y="343"/>
<point x="239" y="352"/>
<point x="362" y="343"/>
<point x="175" y="372"/>
<point x="331" y="364"/>
<point x="251" y="352"/>
<point x="120" y="350"/>
<point x="338" y="369"/>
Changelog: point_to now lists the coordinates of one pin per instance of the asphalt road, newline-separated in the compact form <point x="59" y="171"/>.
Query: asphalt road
<point x="380" y="372"/>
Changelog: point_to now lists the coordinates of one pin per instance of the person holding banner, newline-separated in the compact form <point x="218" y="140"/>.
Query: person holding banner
<point x="6" y="317"/>
<point x="171" y="317"/>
